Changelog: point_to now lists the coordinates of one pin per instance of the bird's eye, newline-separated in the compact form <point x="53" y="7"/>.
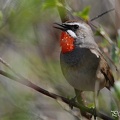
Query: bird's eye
<point x="75" y="27"/>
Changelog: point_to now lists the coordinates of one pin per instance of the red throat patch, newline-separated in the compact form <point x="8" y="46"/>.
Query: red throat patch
<point x="66" y="42"/>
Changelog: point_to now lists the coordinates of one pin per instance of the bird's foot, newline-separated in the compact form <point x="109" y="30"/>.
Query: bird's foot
<point x="94" y="112"/>
<point x="83" y="113"/>
<point x="72" y="100"/>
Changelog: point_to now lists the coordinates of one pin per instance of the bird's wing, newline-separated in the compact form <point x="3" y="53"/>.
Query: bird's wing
<point x="106" y="71"/>
<point x="104" y="68"/>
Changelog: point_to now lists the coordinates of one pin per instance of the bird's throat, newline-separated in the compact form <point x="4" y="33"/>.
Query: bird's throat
<point x="66" y="42"/>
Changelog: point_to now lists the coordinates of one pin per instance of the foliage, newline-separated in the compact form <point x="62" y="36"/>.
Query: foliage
<point x="50" y="4"/>
<point x="84" y="13"/>
<point x="1" y="17"/>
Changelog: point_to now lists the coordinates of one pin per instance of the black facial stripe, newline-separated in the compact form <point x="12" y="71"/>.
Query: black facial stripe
<point x="73" y="27"/>
<point x="65" y="27"/>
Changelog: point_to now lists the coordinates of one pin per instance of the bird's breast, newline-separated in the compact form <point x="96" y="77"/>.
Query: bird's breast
<point x="79" y="68"/>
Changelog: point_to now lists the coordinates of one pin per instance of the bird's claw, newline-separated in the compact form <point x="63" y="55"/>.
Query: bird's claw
<point x="94" y="112"/>
<point x="71" y="101"/>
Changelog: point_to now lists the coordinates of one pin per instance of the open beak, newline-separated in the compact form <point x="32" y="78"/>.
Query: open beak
<point x="61" y="27"/>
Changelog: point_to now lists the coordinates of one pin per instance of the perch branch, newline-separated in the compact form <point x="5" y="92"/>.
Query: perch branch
<point x="54" y="96"/>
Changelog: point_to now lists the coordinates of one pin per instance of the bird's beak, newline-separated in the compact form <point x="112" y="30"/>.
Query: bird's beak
<point x="61" y="27"/>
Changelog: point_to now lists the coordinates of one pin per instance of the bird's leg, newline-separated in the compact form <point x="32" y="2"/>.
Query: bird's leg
<point x="81" y="101"/>
<point x="72" y="100"/>
<point x="95" y="103"/>
<point x="96" y="93"/>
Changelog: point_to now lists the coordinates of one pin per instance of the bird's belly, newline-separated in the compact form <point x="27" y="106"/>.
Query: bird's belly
<point x="79" y="68"/>
<point x="81" y="80"/>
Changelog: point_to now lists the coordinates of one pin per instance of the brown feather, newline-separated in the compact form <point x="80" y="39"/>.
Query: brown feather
<point x="106" y="71"/>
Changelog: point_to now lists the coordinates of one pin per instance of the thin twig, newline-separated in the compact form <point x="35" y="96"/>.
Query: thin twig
<point x="102" y="14"/>
<point x="62" y="11"/>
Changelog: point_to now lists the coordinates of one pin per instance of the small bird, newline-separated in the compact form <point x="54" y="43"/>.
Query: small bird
<point x="82" y="62"/>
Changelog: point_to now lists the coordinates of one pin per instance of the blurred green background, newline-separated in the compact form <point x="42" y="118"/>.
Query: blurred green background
<point x="30" y="45"/>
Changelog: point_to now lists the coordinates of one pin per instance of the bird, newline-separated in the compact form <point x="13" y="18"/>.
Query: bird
<point x="81" y="60"/>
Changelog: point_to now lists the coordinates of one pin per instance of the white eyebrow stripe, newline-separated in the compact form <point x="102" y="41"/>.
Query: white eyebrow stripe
<point x="71" y="33"/>
<point x="79" y="24"/>
<point x="74" y="23"/>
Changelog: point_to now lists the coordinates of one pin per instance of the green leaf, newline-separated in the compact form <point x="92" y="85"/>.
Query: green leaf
<point x="91" y="105"/>
<point x="51" y="4"/>
<point x="84" y="13"/>
<point x="118" y="41"/>
<point x="1" y="17"/>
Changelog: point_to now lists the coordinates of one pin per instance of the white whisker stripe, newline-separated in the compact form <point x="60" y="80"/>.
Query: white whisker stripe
<point x="71" y="33"/>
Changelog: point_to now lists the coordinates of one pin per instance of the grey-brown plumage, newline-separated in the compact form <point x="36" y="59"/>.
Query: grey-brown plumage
<point x="82" y="62"/>
<point x="84" y="66"/>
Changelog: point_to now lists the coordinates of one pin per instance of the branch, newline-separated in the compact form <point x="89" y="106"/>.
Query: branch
<point x="62" y="11"/>
<point x="54" y="96"/>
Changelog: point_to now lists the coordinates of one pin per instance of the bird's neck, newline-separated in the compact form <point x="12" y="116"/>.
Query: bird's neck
<point x="66" y="43"/>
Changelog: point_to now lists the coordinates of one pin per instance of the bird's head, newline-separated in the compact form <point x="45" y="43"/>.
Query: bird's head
<point x="73" y="34"/>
